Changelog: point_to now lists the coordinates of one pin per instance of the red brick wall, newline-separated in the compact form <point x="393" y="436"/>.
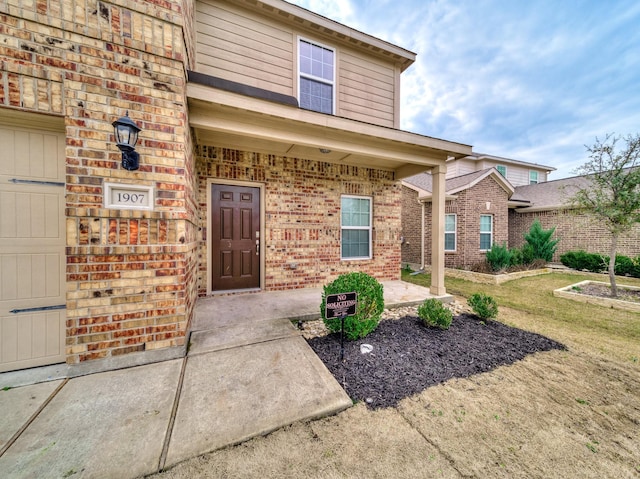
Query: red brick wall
<point x="576" y="232"/>
<point x="302" y="215"/>
<point x="411" y="226"/>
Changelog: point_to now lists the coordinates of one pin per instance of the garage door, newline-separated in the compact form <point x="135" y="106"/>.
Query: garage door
<point x="32" y="241"/>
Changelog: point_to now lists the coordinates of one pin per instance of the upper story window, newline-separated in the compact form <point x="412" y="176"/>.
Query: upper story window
<point x="356" y="227"/>
<point x="502" y="169"/>
<point x="533" y="177"/>
<point x="486" y="232"/>
<point x="450" y="232"/>
<point x="317" y="77"/>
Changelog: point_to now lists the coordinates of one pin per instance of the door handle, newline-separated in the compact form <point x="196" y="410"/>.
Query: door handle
<point x="257" y="247"/>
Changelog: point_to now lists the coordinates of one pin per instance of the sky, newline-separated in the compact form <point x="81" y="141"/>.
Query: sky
<point x="530" y="80"/>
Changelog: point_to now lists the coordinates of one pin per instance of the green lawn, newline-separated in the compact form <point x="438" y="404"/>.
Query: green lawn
<point x="529" y="303"/>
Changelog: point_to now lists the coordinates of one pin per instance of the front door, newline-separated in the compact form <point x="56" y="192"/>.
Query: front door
<point x="235" y="237"/>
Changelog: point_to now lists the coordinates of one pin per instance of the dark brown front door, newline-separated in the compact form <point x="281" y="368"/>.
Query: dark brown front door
<point x="235" y="237"/>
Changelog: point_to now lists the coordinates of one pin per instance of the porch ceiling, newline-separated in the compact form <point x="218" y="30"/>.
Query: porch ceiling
<point x="230" y="120"/>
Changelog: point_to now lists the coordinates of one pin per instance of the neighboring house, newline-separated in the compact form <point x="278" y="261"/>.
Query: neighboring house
<point x="485" y="208"/>
<point x="547" y="203"/>
<point x="270" y="155"/>
<point x="518" y="173"/>
<point x="476" y="216"/>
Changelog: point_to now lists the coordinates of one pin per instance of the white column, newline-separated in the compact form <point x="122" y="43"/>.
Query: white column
<point x="437" y="230"/>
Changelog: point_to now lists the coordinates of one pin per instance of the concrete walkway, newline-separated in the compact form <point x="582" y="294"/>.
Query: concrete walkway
<point x="248" y="372"/>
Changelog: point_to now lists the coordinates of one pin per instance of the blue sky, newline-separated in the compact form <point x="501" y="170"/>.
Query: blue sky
<point x="532" y="80"/>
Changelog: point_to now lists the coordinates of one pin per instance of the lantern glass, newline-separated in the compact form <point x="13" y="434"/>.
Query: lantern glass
<point x="126" y="135"/>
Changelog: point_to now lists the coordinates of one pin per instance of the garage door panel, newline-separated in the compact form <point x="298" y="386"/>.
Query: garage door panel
<point x="8" y="217"/>
<point x="30" y="276"/>
<point x="7" y="166"/>
<point x="8" y="275"/>
<point x="32" y="248"/>
<point x="30" y="214"/>
<point x="31" y="339"/>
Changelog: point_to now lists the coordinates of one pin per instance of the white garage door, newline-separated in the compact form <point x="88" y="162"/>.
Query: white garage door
<point x="32" y="241"/>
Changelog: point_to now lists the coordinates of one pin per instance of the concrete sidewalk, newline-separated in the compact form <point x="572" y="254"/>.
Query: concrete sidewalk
<point x="240" y="379"/>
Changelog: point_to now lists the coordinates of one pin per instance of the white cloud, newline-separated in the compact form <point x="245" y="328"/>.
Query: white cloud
<point x="534" y="81"/>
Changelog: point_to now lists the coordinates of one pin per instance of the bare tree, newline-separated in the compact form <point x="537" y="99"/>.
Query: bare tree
<point x="612" y="192"/>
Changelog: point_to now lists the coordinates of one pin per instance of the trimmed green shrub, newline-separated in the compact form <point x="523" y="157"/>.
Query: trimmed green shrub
<point x="624" y="265"/>
<point x="581" y="260"/>
<point x="434" y="314"/>
<point x="540" y="241"/>
<point x="499" y="257"/>
<point x="368" y="311"/>
<point x="598" y="263"/>
<point x="483" y="305"/>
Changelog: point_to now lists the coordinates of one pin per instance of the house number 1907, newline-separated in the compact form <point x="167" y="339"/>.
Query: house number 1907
<point x="130" y="198"/>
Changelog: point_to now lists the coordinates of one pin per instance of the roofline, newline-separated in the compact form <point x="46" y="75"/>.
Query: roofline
<point x="482" y="156"/>
<point x="506" y="185"/>
<point x="323" y="25"/>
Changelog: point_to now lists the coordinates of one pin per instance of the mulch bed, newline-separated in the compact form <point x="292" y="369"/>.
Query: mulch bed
<point x="408" y="357"/>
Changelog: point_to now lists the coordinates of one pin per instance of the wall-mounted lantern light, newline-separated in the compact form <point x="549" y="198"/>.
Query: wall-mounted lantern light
<point x="126" y="132"/>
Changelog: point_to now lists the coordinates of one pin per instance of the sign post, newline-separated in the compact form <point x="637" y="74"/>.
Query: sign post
<point x="340" y="306"/>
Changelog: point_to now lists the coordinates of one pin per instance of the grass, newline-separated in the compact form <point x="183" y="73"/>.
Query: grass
<point x="529" y="304"/>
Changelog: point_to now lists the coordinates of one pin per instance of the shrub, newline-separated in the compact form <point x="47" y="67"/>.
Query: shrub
<point x="369" y="308"/>
<point x="499" y="257"/>
<point x="624" y="265"/>
<point x="434" y="314"/>
<point x="635" y="272"/>
<point x="581" y="260"/>
<point x="483" y="305"/>
<point x="540" y="241"/>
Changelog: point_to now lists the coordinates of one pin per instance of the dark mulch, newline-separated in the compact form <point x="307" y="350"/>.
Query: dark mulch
<point x="408" y="357"/>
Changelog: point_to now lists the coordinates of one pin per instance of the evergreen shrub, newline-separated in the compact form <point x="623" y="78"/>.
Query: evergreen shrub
<point x="368" y="310"/>
<point x="434" y="314"/>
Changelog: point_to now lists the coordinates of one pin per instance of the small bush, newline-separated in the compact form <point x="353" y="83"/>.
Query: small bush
<point x="635" y="272"/>
<point x="599" y="263"/>
<point x="368" y="311"/>
<point x="499" y="257"/>
<point x="543" y="247"/>
<point x="483" y="305"/>
<point x="624" y="265"/>
<point x="581" y="260"/>
<point x="434" y="314"/>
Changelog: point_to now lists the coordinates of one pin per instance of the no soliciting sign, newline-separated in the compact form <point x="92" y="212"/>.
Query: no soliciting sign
<point x="343" y="304"/>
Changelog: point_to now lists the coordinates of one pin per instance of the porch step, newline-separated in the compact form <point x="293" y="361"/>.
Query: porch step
<point x="240" y="334"/>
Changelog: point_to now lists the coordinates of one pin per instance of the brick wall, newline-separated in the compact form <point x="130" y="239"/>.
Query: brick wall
<point x="302" y="215"/>
<point x="485" y="198"/>
<point x="411" y="226"/>
<point x="131" y="275"/>
<point x="576" y="232"/>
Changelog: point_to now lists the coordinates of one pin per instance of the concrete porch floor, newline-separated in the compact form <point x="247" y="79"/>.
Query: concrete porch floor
<point x="248" y="372"/>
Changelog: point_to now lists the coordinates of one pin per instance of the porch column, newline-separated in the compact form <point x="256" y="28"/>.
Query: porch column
<point x="437" y="232"/>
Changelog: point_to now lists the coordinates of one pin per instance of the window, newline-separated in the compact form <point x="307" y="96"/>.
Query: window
<point x="533" y="177"/>
<point x="317" y="73"/>
<point x="486" y="232"/>
<point x="449" y="232"/>
<point x="502" y="170"/>
<point x="356" y="227"/>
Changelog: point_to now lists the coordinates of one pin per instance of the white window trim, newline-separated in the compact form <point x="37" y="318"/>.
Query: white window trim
<point x="505" y="170"/>
<point x="311" y="77"/>
<point x="490" y="233"/>
<point x="369" y="228"/>
<point x="537" y="177"/>
<point x="454" y="232"/>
